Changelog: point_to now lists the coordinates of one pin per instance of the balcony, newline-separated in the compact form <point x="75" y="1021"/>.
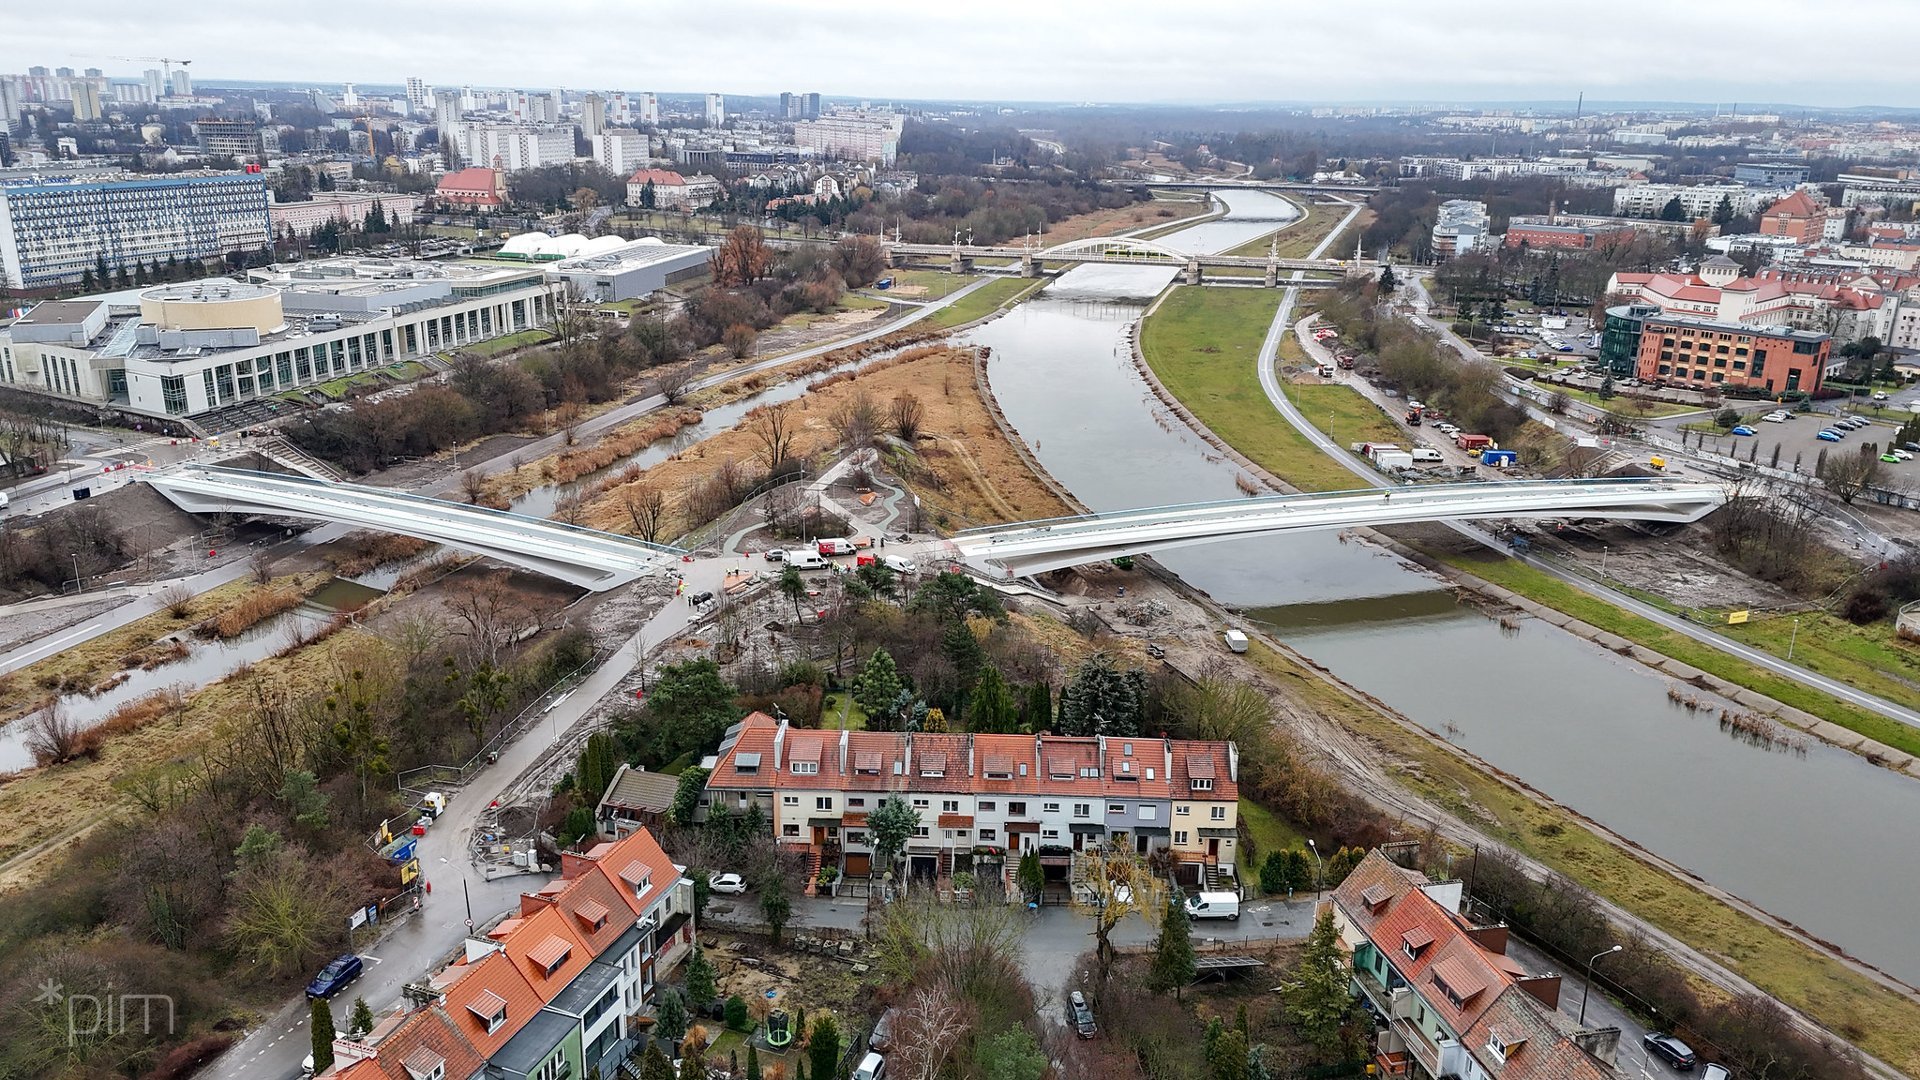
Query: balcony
<point x="1391" y="1063"/>
<point x="1412" y="1040"/>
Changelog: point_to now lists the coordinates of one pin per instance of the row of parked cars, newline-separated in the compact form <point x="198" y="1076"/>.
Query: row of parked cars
<point x="1681" y="1056"/>
<point x="802" y="559"/>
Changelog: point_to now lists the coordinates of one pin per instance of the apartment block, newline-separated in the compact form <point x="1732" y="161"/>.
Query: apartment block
<point x="854" y="134"/>
<point x="1697" y="200"/>
<point x="985" y="798"/>
<point x="513" y="147"/>
<point x="1446" y="999"/>
<point x="52" y="232"/>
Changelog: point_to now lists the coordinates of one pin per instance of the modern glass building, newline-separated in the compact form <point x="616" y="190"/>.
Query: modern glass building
<point x="1620" y="341"/>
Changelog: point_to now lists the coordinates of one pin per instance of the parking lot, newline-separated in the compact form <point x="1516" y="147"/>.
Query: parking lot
<point x="1797" y="437"/>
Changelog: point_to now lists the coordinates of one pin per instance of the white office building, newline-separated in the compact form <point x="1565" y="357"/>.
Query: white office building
<point x="52" y="231"/>
<point x="187" y="349"/>
<point x="1460" y="227"/>
<point x="854" y="134"/>
<point x="512" y="147"/>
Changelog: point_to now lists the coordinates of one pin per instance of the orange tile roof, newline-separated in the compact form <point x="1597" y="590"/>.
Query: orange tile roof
<point x="1537" y="1041"/>
<point x="548" y="953"/>
<point x="424" y="1039"/>
<point x="489" y="984"/>
<point x="620" y="865"/>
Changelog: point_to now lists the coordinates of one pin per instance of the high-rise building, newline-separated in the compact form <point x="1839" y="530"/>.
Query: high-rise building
<point x="156" y="83"/>
<point x="512" y="147"/>
<point x="86" y="99"/>
<point x="620" y="152"/>
<point x="810" y="109"/>
<point x="9" y="102"/>
<point x="349" y="98"/>
<point x="789" y="106"/>
<point x="182" y="83"/>
<point x="858" y="134"/>
<point x="53" y="232"/>
<point x="234" y="138"/>
<point x="619" y="109"/>
<point x="418" y="96"/>
<point x="716" y="110"/>
<point x="593" y="115"/>
<point x="649" y="108"/>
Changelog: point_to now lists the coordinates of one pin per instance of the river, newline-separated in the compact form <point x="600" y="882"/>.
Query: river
<point x="1819" y="839"/>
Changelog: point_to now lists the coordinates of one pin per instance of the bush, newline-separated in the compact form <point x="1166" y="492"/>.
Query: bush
<point x="738" y="1018"/>
<point x="739" y="340"/>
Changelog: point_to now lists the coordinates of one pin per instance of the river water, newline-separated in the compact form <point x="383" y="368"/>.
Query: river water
<point x="1822" y="839"/>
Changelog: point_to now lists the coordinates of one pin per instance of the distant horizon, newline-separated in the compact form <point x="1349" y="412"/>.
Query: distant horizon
<point x="1061" y="52"/>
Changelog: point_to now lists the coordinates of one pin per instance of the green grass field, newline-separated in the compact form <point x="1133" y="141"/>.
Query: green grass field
<point x="1202" y="344"/>
<point x="989" y="298"/>
<point x="839" y="710"/>
<point x="1269" y="832"/>
<point x="509" y="342"/>
<point x="1343" y="413"/>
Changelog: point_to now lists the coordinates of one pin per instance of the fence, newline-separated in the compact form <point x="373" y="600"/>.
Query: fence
<point x="417" y="781"/>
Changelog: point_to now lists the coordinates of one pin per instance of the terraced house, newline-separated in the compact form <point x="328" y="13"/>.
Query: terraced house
<point x="556" y="991"/>
<point x="1447" y="1000"/>
<point x="983" y="798"/>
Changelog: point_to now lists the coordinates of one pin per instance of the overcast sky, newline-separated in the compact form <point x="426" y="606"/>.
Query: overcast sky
<point x="1036" y="50"/>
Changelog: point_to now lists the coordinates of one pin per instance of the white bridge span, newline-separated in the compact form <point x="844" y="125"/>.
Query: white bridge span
<point x="599" y="560"/>
<point x="588" y="558"/>
<point x="1038" y="546"/>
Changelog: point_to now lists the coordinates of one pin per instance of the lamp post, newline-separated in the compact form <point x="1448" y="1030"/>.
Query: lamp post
<point x="1319" y="874"/>
<point x="1794" y="639"/>
<point x="1586" y="991"/>
<point x="77" y="583"/>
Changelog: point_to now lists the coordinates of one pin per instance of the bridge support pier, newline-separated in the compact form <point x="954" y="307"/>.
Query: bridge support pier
<point x="1272" y="279"/>
<point x="1031" y="267"/>
<point x="959" y="264"/>
<point x="1193" y="272"/>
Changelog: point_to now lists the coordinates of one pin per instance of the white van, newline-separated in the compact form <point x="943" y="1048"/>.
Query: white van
<point x="872" y="1067"/>
<point x="836" y="546"/>
<point x="1213" y="905"/>
<point x="1426" y="453"/>
<point x="802" y="559"/>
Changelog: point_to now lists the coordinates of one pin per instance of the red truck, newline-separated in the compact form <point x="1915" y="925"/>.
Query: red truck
<point x="1472" y="442"/>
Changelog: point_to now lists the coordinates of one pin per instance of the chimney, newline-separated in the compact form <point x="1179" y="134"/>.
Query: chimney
<point x="779" y="743"/>
<point x="1602" y="1044"/>
<point x="1491" y="938"/>
<point x="1544" y="988"/>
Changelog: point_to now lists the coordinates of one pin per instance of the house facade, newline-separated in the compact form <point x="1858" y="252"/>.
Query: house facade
<point x="987" y="796"/>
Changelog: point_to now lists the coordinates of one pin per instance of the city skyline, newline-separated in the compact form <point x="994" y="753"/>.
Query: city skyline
<point x="1491" y="52"/>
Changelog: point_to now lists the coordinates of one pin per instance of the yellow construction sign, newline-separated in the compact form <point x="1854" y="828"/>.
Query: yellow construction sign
<point x="1736" y="617"/>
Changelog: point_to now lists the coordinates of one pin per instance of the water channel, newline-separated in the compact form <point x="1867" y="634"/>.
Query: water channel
<point x="1819" y="839"/>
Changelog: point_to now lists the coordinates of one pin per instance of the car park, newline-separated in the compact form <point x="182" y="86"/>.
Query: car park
<point x="1829" y="435"/>
<point x="335" y="976"/>
<point x="731" y="884"/>
<point x="1671" y="1050"/>
<point x="1742" y="429"/>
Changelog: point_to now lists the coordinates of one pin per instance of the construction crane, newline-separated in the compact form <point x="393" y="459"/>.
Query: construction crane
<point x="166" y="63"/>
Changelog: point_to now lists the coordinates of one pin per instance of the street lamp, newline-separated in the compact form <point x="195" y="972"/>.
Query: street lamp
<point x="1586" y="990"/>
<point x="1319" y="874"/>
<point x="77" y="583"/>
<point x="1793" y="640"/>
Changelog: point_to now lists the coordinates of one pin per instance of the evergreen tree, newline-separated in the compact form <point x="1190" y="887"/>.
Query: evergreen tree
<point x="991" y="708"/>
<point x="1172" y="966"/>
<point x="889" y="827"/>
<point x="1031" y="876"/>
<point x="823" y="1047"/>
<point x="1606" y="388"/>
<point x="597" y="763"/>
<point x="700" y="987"/>
<point x="670" y="1016"/>
<point x="753" y="1063"/>
<point x="1317" y="997"/>
<point x="775" y="905"/>
<point x="362" y="1021"/>
<point x="1723" y="214"/>
<point x="321" y="1024"/>
<point x="878" y="687"/>
<point x="1100" y="699"/>
<point x="1273" y="873"/>
<point x="1674" y="210"/>
<point x="654" y="1064"/>
<point x="1387" y="281"/>
<point x="1012" y="1055"/>
<point x="737" y="1016"/>
<point x="647" y="196"/>
<point x="1227" y="1059"/>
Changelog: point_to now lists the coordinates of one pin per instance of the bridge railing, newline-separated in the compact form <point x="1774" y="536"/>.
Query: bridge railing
<point x="1422" y="493"/>
<point x="343" y="492"/>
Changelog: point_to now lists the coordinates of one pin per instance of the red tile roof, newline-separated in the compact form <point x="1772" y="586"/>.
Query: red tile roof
<point x="1798" y="204"/>
<point x="1536" y="1042"/>
<point x="548" y="953"/>
<point x="487" y="985"/>
<point x="660" y="178"/>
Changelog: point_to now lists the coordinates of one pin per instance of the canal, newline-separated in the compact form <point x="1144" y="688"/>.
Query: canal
<point x="1818" y="838"/>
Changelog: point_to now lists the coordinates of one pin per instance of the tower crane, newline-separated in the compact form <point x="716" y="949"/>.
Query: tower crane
<point x="166" y="63"/>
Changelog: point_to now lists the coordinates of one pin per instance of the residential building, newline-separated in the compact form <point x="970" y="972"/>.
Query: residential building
<point x="984" y="799"/>
<point x="854" y="134"/>
<point x="561" y="989"/>
<point x="672" y="191"/>
<point x="810" y="106"/>
<point x="189" y="349"/>
<point x="635" y="799"/>
<point x="716" y="111"/>
<point x="345" y="207"/>
<point x="1867" y="192"/>
<point x="1447" y="1000"/>
<point x="181" y="83"/>
<point x="593" y="115"/>
<point x="1800" y="218"/>
<point x="1696" y="200"/>
<point x="1460" y="227"/>
<point x="237" y="138"/>
<point x="419" y="97"/>
<point x="1702" y="354"/>
<point x="53" y="231"/>
<point x="1848" y="303"/>
<point x="620" y="152"/>
<point x="649" y="109"/>
<point x="513" y="147"/>
<point x="1770" y="174"/>
<point x="481" y="189"/>
<point x="789" y="106"/>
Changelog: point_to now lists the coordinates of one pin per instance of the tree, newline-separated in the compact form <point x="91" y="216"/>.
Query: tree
<point x="1030" y="876"/>
<point x="690" y="707"/>
<point x="646" y="504"/>
<point x="594" y="768"/>
<point x="1317" y="998"/>
<point x="823" y="1047"/>
<point x="700" y="988"/>
<point x="753" y="1062"/>
<point x="362" y="1021"/>
<point x="890" y="826"/>
<point x="1727" y="418"/>
<point x="775" y="905"/>
<point x="775" y="427"/>
<point x="1172" y="966"/>
<point x="739" y="340"/>
<point x="1117" y="883"/>
<point x="1273" y="873"/>
<point x="794" y="588"/>
<point x="991" y="707"/>
<point x="648" y="196"/>
<point x="860" y="260"/>
<point x="259" y="847"/>
<point x="1847" y="475"/>
<point x="1037" y="712"/>
<point x="1723" y="213"/>
<point x="654" y="1064"/>
<point x="670" y="1016"/>
<point x="736" y="1012"/>
<point x="1387" y="281"/>
<point x="741" y="259"/>
<point x="1606" y="388"/>
<point x="686" y="795"/>
<point x="928" y="1027"/>
<point x="905" y="415"/>
<point x="1227" y="1056"/>
<point x="285" y="912"/>
<point x="320" y="1024"/>
<point x="1012" y="1055"/>
<point x="878" y="685"/>
<point x="1674" y="210"/>
<point x="1100" y="699"/>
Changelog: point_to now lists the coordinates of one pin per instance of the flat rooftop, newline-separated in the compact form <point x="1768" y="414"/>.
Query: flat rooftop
<point x="634" y="256"/>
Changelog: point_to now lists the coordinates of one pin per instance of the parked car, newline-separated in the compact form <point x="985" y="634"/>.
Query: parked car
<point x="1889" y="459"/>
<point x="1742" y="429"/>
<point x="1079" y="1016"/>
<point x="1715" y="1072"/>
<point x="872" y="1067"/>
<point x="882" y="1037"/>
<point x="731" y="884"/>
<point x="1879" y="395"/>
<point x="776" y="555"/>
<point x="1777" y="417"/>
<point x="1903" y="455"/>
<point x="837" y="545"/>
<point x="335" y="976"/>
<point x="1829" y="435"/>
<point x="1671" y="1050"/>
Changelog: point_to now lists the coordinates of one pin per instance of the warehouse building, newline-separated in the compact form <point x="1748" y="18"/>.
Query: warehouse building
<point x="639" y="268"/>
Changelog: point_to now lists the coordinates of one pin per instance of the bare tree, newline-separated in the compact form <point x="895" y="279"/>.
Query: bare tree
<point x="906" y="416"/>
<point x="570" y="507"/>
<point x="53" y="737"/>
<point x="927" y="1029"/>
<point x="491" y="614"/>
<point x="1117" y="884"/>
<point x="855" y="420"/>
<point x="177" y="599"/>
<point x="473" y="485"/>
<point x="572" y="313"/>
<point x="1847" y="475"/>
<point x="741" y="259"/>
<point x="774" y="427"/>
<point x="673" y="382"/>
<point x="261" y="566"/>
<point x="647" y="505"/>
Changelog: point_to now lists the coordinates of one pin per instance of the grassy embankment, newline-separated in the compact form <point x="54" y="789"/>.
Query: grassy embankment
<point x="1880" y="1021"/>
<point x="1202" y="344"/>
<point x="509" y="342"/>
<point x="989" y="298"/>
<point x="1825" y="644"/>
